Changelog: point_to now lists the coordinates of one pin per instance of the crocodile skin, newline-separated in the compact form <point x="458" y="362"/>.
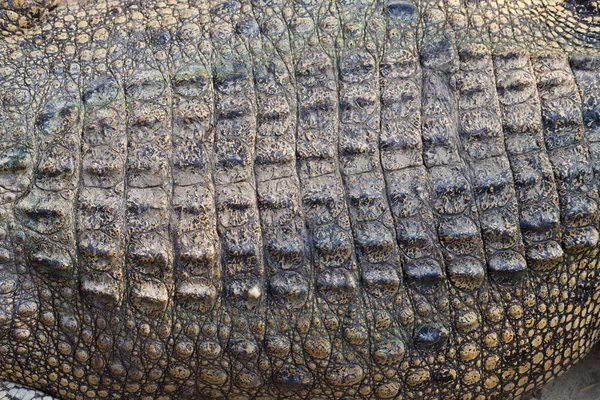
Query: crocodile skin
<point x="312" y="199"/>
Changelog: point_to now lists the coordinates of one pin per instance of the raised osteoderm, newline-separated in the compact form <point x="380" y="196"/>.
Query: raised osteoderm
<point x="310" y="199"/>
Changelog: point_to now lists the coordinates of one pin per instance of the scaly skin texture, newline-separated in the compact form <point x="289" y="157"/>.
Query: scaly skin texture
<point x="18" y="15"/>
<point x="318" y="199"/>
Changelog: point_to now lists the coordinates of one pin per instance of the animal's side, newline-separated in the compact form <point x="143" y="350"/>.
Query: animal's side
<point x="317" y="199"/>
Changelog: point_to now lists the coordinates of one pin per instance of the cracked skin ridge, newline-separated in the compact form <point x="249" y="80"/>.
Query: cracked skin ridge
<point x="310" y="199"/>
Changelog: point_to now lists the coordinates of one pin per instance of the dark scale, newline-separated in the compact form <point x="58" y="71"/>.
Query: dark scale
<point x="491" y="174"/>
<point x="238" y="221"/>
<point x="196" y="346"/>
<point x="584" y="67"/>
<point x="401" y="149"/>
<point x="336" y="341"/>
<point x="288" y="261"/>
<point x="318" y="199"/>
<point x="535" y="185"/>
<point x="568" y="150"/>
<point x="101" y="206"/>
<point x="453" y="202"/>
<point x="149" y="254"/>
<point x="377" y="251"/>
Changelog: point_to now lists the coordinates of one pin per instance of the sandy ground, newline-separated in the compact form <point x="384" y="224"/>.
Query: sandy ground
<point x="582" y="382"/>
